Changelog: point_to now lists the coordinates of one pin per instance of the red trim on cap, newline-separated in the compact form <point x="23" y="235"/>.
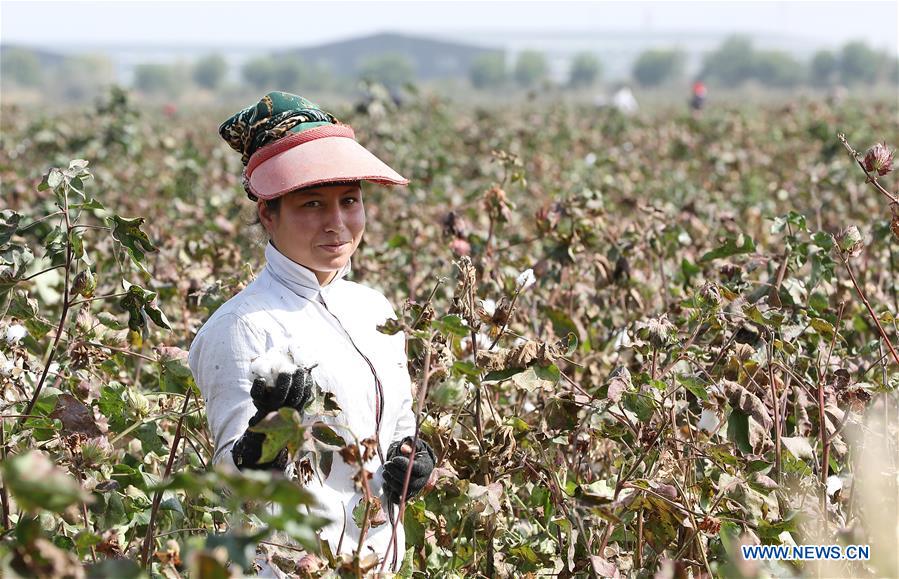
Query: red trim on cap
<point x="381" y="180"/>
<point x="295" y="139"/>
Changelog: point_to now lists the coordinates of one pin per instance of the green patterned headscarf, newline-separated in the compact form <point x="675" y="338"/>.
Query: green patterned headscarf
<point x="276" y="114"/>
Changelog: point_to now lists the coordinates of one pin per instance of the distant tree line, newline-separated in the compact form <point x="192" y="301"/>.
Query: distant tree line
<point x="737" y="61"/>
<point x="70" y="78"/>
<point x="734" y="62"/>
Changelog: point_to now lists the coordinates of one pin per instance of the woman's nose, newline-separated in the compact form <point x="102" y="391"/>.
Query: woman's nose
<point x="334" y="220"/>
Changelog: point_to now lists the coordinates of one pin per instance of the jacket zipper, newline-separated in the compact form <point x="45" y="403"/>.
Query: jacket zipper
<point x="379" y="389"/>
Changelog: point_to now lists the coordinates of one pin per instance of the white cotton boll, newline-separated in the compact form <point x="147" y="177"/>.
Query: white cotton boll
<point x="15" y="332"/>
<point x="489" y="307"/>
<point x="525" y="280"/>
<point x="270" y="364"/>
<point x="528" y="406"/>
<point x="708" y="421"/>
<point x="590" y="159"/>
<point x="622" y="340"/>
<point x="834" y="485"/>
<point x="294" y="351"/>
<point x="483" y="342"/>
<point x="7" y="367"/>
<point x="786" y="538"/>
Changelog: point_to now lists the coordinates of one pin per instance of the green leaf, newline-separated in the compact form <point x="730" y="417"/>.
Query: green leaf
<point x="562" y="323"/>
<point x="448" y="393"/>
<point x="797" y="220"/>
<point x="38" y="327"/>
<point x="571" y="344"/>
<point x="77" y="243"/>
<point x="453" y="325"/>
<point x="771" y="531"/>
<point x="466" y="368"/>
<point x="85" y="540"/>
<point x="129" y="234"/>
<point x="9" y="224"/>
<point x="689" y="269"/>
<point x="55" y="242"/>
<point x="822" y="326"/>
<point x="37" y="484"/>
<point x="732" y="246"/>
<point x="282" y="429"/>
<point x="89" y="204"/>
<point x="398" y="240"/>
<point x="139" y="302"/>
<point x="175" y="376"/>
<point x="14" y="262"/>
<point x="326" y="435"/>
<point x="640" y="405"/>
<point x="550" y="373"/>
<point x="408" y="567"/>
<point x="695" y="385"/>
<point x="738" y="430"/>
<point x="118" y="568"/>
<point x="22" y="306"/>
<point x="360" y="510"/>
<point x="51" y="180"/>
<point x="112" y="405"/>
<point x="110" y="321"/>
<point x="241" y="551"/>
<point x="325" y="462"/>
<point x="46" y="403"/>
<point x="155" y="314"/>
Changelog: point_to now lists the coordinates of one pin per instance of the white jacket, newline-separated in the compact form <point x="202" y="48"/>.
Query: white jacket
<point x="334" y="327"/>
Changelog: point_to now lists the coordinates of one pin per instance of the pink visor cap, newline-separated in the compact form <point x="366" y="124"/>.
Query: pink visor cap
<point x="324" y="154"/>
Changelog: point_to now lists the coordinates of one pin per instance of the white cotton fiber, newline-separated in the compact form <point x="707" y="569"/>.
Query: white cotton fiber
<point x="270" y="364"/>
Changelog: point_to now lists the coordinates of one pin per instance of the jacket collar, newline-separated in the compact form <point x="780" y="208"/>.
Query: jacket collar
<point x="298" y="278"/>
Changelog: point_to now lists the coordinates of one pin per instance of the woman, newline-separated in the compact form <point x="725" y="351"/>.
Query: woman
<point x="301" y="322"/>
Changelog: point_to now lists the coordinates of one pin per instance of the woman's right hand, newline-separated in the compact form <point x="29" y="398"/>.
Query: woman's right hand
<point x="289" y="390"/>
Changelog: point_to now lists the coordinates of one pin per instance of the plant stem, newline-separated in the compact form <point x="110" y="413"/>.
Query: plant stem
<point x="423" y="394"/>
<point x="778" y="453"/>
<point x="123" y="351"/>
<point x="873" y="315"/>
<point x="506" y="323"/>
<point x="157" y="497"/>
<point x="40" y="272"/>
<point x="479" y="420"/>
<point x="92" y="227"/>
<point x="36" y="221"/>
<point x="822" y="419"/>
<point x="107" y="296"/>
<point x="62" y="317"/>
<point x="4" y="497"/>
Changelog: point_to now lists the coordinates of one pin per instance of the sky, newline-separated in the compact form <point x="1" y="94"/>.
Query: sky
<point x="268" y="24"/>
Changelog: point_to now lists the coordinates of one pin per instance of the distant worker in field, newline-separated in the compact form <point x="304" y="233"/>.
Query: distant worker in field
<point x="301" y="330"/>
<point x="697" y="100"/>
<point x="624" y="101"/>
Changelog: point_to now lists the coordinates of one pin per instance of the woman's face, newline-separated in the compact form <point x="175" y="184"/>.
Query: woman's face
<point x="318" y="227"/>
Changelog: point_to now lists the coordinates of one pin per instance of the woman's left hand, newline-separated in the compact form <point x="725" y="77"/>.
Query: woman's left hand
<point x="423" y="463"/>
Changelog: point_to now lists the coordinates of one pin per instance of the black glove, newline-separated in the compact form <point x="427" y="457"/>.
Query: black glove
<point x="397" y="463"/>
<point x="289" y="391"/>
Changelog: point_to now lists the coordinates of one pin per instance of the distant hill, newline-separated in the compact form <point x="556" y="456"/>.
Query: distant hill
<point x="44" y="57"/>
<point x="429" y="58"/>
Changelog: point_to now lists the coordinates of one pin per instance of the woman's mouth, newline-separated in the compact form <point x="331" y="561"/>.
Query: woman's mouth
<point x="334" y="248"/>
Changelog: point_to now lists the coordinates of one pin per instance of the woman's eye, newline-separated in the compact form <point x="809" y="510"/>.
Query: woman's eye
<point x="311" y="204"/>
<point x="350" y="200"/>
